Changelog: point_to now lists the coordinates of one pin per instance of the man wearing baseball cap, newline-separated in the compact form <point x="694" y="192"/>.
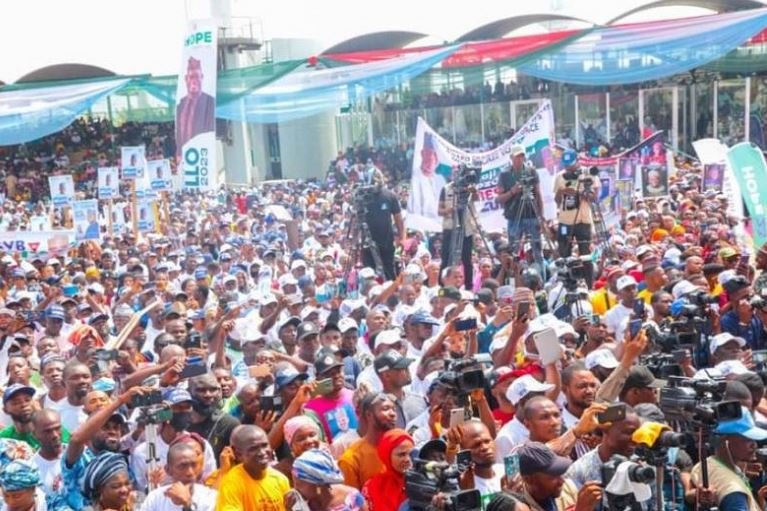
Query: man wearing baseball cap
<point x="334" y="408"/>
<point x="515" y="432"/>
<point x="17" y="404"/>
<point x="574" y="202"/>
<point x="617" y="319"/>
<point x="544" y="486"/>
<point x="606" y="297"/>
<point x="736" y="445"/>
<point x="641" y="387"/>
<point x="394" y="371"/>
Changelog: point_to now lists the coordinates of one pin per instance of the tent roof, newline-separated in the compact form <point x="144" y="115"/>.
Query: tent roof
<point x="499" y="28"/>
<point x="713" y="5"/>
<point x="65" y="72"/>
<point x="376" y="41"/>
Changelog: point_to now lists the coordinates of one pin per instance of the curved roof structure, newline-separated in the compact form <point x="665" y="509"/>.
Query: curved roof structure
<point x="713" y="5"/>
<point x="65" y="72"/>
<point x="376" y="41"/>
<point x="499" y="28"/>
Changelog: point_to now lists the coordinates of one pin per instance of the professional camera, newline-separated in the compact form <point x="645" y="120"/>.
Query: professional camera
<point x="657" y="453"/>
<point x="467" y="176"/>
<point x="701" y="299"/>
<point x="465" y="375"/>
<point x="697" y="402"/>
<point x="758" y="302"/>
<point x="529" y="176"/>
<point x="636" y="473"/>
<point x="363" y="195"/>
<point x="427" y="478"/>
<point x="661" y="365"/>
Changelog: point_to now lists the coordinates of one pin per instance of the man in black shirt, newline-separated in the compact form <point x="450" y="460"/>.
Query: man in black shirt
<point x="520" y="214"/>
<point x="208" y="418"/>
<point x="381" y="207"/>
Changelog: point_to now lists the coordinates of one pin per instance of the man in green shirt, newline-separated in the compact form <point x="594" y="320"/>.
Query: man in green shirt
<point x="17" y="403"/>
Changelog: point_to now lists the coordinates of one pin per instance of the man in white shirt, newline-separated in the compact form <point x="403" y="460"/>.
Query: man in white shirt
<point x="77" y="380"/>
<point x="184" y="492"/>
<point x="514" y="432"/>
<point x="181" y="405"/>
<point x="46" y="428"/>
<point x="617" y="319"/>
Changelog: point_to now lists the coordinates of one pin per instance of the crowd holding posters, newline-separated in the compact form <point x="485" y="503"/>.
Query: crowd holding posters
<point x="86" y="214"/>
<point x="160" y="175"/>
<point x="133" y="162"/>
<point x="62" y="190"/>
<point x="108" y="182"/>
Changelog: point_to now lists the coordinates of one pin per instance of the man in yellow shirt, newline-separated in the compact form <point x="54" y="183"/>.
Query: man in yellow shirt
<point x="252" y="485"/>
<point x="654" y="277"/>
<point x="606" y="298"/>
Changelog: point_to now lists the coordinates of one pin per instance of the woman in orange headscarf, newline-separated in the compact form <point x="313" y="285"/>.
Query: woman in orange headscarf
<point x="386" y="491"/>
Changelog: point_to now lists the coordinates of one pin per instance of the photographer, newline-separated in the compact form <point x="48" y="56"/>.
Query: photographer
<point x="573" y="194"/>
<point x="381" y="207"/>
<point x="460" y="195"/>
<point x="522" y="220"/>
<point x="744" y="320"/>
<point x="735" y="445"/>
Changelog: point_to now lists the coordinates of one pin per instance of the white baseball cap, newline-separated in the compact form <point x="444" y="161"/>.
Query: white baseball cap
<point x="298" y="263"/>
<point x="347" y="324"/>
<point x="602" y="358"/>
<point x="643" y="249"/>
<point x="367" y="273"/>
<point x="624" y="282"/>
<point x="683" y="287"/>
<point x="720" y="340"/>
<point x="388" y="337"/>
<point x="523" y="386"/>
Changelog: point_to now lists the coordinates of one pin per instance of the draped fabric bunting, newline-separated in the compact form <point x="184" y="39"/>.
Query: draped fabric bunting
<point x="31" y="113"/>
<point x="646" y="51"/>
<point x="469" y="54"/>
<point x="310" y="91"/>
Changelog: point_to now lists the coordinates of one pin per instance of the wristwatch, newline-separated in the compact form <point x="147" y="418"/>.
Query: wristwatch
<point x="190" y="507"/>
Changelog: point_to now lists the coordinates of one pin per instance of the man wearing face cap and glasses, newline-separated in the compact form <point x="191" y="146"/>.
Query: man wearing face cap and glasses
<point x="728" y="488"/>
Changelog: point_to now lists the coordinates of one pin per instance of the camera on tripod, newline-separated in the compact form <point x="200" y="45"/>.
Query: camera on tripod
<point x="362" y="195"/>
<point x="427" y="478"/>
<point x="586" y="179"/>
<point x="697" y="402"/>
<point x="467" y="176"/>
<point x="570" y="270"/>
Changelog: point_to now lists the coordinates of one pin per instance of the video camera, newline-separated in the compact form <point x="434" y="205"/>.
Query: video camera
<point x="661" y="365"/>
<point x="698" y="402"/>
<point x="635" y="473"/>
<point x="427" y="478"/>
<point x="467" y="176"/>
<point x="465" y="375"/>
<point x="363" y="195"/>
<point x="657" y="453"/>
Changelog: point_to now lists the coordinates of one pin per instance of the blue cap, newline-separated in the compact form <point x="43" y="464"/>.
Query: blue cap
<point x="177" y="396"/>
<point x="226" y="256"/>
<point x="421" y="316"/>
<point x="297" y="254"/>
<point x="287" y="376"/>
<point x="55" y="312"/>
<point x="200" y="273"/>
<point x="744" y="427"/>
<point x="15" y="389"/>
<point x="569" y="157"/>
<point x="18" y="272"/>
<point x="104" y="385"/>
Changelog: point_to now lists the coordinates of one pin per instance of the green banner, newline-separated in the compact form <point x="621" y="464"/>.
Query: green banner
<point x="750" y="169"/>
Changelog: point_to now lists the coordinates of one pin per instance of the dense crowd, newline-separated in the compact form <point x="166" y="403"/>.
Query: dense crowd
<point x="247" y="357"/>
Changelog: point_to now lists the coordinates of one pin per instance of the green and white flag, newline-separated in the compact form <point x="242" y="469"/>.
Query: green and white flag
<point x="750" y="170"/>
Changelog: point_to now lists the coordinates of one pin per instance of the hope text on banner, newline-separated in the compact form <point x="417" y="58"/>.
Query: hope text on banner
<point x="196" y="106"/>
<point x="750" y="170"/>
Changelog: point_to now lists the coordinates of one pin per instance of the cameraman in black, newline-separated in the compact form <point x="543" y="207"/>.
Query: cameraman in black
<point x="512" y="184"/>
<point x="381" y="207"/>
<point x="573" y="199"/>
<point x="464" y="202"/>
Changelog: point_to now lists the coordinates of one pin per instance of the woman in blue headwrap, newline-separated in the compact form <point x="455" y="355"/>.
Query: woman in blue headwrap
<point x="318" y="485"/>
<point x="19" y="480"/>
<point x="107" y="484"/>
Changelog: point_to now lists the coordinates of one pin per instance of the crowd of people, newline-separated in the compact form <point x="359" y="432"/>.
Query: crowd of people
<point x="239" y="360"/>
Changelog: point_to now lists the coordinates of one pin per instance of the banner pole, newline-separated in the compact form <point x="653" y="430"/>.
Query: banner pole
<point x="134" y="207"/>
<point x="166" y="210"/>
<point x="109" y="219"/>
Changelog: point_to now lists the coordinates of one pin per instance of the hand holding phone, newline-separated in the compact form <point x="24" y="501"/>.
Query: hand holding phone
<point x="259" y="371"/>
<point x="614" y="413"/>
<point x="457" y="417"/>
<point x="511" y="466"/>
<point x="523" y="309"/>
